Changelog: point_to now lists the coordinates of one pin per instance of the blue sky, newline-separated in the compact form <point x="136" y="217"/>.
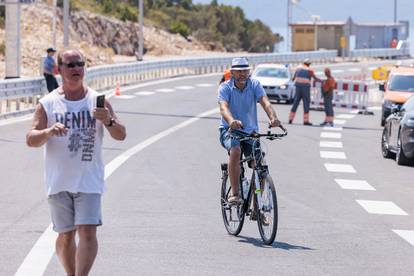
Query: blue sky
<point x="273" y="12"/>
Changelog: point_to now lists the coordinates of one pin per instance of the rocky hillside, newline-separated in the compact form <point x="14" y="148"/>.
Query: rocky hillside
<point x="103" y="40"/>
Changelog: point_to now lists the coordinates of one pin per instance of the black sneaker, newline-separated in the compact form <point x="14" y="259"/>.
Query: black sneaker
<point x="290" y="122"/>
<point x="307" y="123"/>
<point x="323" y="123"/>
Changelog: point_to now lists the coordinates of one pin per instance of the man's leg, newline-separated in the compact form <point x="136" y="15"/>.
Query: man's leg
<point x="87" y="249"/>
<point x="66" y="251"/>
<point x="296" y="101"/>
<point x="306" y="105"/>
<point x="234" y="169"/>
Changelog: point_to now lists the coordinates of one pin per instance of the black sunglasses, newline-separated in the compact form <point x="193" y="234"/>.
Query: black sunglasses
<point x="74" y="64"/>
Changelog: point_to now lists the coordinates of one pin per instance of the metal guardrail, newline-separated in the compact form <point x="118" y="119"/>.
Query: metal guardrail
<point x="19" y="96"/>
<point x="380" y="53"/>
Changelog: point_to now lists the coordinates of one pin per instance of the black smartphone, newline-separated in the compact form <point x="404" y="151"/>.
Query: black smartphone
<point x="100" y="101"/>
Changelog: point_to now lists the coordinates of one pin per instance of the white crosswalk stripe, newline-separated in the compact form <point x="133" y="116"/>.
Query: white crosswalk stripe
<point x="341" y="168"/>
<point x="339" y="122"/>
<point x="330" y="144"/>
<point x="334" y="135"/>
<point x="333" y="155"/>
<point x="407" y="235"/>
<point x="381" y="207"/>
<point x="345" y="116"/>
<point x="332" y="128"/>
<point x="354" y="184"/>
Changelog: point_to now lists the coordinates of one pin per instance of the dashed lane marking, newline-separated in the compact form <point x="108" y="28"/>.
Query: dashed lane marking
<point x="407" y="235"/>
<point x="334" y="135"/>
<point x="144" y="93"/>
<point x="39" y="256"/>
<point x="124" y="97"/>
<point x="165" y="90"/>
<point x="345" y="116"/>
<point x="354" y="69"/>
<point x="381" y="207"/>
<point x="330" y="144"/>
<point x="184" y="87"/>
<point x="337" y="71"/>
<point x="354" y="184"/>
<point x="333" y="155"/>
<point x="339" y="122"/>
<point x="375" y="108"/>
<point x="205" y="85"/>
<point x="332" y="128"/>
<point x="341" y="168"/>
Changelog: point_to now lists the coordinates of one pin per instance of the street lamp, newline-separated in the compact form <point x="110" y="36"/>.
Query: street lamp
<point x="315" y="19"/>
<point x="140" y="30"/>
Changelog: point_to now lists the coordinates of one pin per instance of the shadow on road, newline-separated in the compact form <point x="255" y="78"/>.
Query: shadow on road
<point x="276" y="244"/>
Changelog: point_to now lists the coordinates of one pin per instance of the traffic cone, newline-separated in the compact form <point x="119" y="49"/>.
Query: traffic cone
<point x="117" y="90"/>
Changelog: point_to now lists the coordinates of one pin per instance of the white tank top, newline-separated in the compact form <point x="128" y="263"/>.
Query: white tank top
<point x="73" y="162"/>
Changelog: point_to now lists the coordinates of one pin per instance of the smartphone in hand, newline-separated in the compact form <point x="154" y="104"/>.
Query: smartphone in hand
<point x="100" y="101"/>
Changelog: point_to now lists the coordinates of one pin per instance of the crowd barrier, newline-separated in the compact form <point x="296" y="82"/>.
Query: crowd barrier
<point x="347" y="94"/>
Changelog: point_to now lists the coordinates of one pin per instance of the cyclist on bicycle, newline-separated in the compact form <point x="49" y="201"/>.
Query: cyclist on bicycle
<point x="237" y="100"/>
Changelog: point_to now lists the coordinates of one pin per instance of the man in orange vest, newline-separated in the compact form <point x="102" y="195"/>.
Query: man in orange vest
<point x="226" y="76"/>
<point x="302" y="79"/>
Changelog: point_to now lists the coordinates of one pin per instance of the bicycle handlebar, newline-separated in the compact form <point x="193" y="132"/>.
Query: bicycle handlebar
<point x="269" y="135"/>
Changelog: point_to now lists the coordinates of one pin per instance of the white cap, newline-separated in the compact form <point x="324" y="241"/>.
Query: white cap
<point x="240" y="63"/>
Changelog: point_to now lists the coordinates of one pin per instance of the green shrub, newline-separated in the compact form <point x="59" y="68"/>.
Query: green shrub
<point x="180" y="28"/>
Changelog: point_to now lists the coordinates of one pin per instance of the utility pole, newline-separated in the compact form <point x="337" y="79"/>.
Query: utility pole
<point x="289" y="20"/>
<point x="54" y="9"/>
<point x="395" y="11"/>
<point x="12" y="53"/>
<point x="140" y="30"/>
<point x="65" y="23"/>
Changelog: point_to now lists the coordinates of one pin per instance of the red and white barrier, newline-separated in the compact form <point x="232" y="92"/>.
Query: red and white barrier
<point x="347" y="94"/>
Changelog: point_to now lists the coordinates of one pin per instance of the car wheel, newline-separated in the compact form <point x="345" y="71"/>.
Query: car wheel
<point x="400" y="156"/>
<point x="386" y="153"/>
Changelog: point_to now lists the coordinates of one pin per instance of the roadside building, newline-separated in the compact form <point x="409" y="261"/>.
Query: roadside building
<point x="345" y="36"/>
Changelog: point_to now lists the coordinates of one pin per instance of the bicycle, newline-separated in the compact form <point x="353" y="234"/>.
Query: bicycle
<point x="261" y="185"/>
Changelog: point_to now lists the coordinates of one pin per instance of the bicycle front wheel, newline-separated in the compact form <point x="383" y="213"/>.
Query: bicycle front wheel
<point x="233" y="215"/>
<point x="267" y="215"/>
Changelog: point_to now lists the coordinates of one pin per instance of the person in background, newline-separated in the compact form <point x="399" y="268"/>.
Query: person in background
<point x="302" y="78"/>
<point x="226" y="76"/>
<point x="49" y="66"/>
<point x="71" y="127"/>
<point x="328" y="87"/>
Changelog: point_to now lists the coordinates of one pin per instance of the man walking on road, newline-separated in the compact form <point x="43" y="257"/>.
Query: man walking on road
<point x="49" y="66"/>
<point x="238" y="99"/>
<point x="68" y="122"/>
<point x="302" y="79"/>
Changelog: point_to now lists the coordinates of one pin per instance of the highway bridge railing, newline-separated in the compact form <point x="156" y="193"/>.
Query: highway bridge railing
<point x="20" y="96"/>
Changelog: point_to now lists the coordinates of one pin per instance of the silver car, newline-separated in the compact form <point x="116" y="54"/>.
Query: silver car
<point x="276" y="81"/>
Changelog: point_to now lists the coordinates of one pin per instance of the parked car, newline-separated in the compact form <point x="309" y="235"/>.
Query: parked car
<point x="276" y="80"/>
<point x="398" y="134"/>
<point x="398" y="88"/>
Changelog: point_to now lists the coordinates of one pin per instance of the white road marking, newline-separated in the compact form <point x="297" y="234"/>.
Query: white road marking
<point x="354" y="111"/>
<point x="345" y="116"/>
<point x="372" y="68"/>
<point x="330" y="144"/>
<point x="337" y="71"/>
<point x="381" y="207"/>
<point x="407" y="235"/>
<point x="354" y="69"/>
<point x="332" y="128"/>
<point x="184" y="87"/>
<point x="333" y="155"/>
<point x="14" y="120"/>
<point x="375" y="108"/>
<point x="165" y="90"/>
<point x="339" y="122"/>
<point x="124" y="97"/>
<point x="144" y="93"/>
<point x="342" y="168"/>
<point x="39" y="256"/>
<point x="334" y="135"/>
<point x="205" y="85"/>
<point x="353" y="184"/>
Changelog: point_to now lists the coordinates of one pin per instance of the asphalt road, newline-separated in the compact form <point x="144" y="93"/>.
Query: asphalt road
<point x="161" y="211"/>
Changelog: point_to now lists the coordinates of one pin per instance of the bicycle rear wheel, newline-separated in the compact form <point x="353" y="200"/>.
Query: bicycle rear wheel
<point x="268" y="215"/>
<point x="233" y="215"/>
